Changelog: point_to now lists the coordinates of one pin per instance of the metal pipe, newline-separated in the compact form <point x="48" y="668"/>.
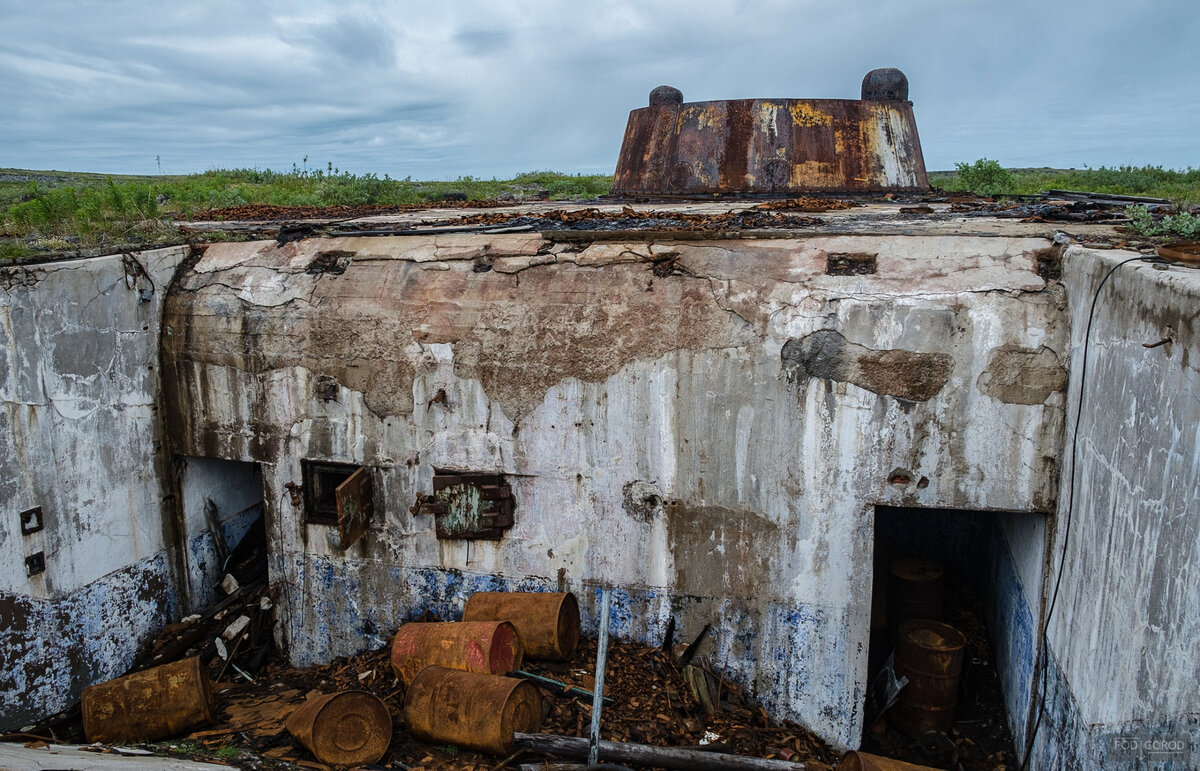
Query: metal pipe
<point x="598" y="693"/>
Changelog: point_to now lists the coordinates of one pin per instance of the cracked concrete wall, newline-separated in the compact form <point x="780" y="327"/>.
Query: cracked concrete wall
<point x="1126" y="632"/>
<point x="79" y="359"/>
<point x="643" y="398"/>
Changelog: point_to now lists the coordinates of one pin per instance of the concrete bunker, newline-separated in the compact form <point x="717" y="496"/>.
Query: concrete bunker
<point x="719" y="442"/>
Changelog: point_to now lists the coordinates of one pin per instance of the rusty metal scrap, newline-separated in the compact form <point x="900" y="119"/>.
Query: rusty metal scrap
<point x="749" y="146"/>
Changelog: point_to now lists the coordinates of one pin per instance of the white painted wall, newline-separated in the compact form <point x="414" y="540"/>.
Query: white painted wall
<point x="78" y="399"/>
<point x="776" y="475"/>
<point x="1126" y="632"/>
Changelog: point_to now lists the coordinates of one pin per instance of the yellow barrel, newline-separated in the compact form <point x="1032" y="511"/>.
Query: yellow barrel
<point x="862" y="761"/>
<point x="930" y="655"/>
<point x="153" y="704"/>
<point x="546" y="622"/>
<point x="470" y="710"/>
<point x="343" y="729"/>
<point x="490" y="647"/>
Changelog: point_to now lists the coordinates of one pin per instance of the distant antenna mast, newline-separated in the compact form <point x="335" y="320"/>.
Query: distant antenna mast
<point x="158" y="160"/>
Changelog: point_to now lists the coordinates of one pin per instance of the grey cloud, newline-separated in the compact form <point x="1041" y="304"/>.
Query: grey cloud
<point x="489" y="88"/>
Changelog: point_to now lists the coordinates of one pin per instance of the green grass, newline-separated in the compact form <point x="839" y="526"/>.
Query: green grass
<point x="1182" y="187"/>
<point x="42" y="211"/>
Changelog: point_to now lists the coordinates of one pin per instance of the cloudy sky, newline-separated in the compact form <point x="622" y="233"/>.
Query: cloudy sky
<point x="435" y="90"/>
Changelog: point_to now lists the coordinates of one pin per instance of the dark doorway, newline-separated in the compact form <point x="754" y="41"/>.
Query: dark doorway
<point x="981" y="574"/>
<point x="225" y="533"/>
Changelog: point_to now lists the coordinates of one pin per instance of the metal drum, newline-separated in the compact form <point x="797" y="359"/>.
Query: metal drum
<point x="489" y="647"/>
<point x="930" y="655"/>
<point x="470" y="710"/>
<point x="546" y="622"/>
<point x="343" y="729"/>
<point x="153" y="704"/>
<point x="916" y="589"/>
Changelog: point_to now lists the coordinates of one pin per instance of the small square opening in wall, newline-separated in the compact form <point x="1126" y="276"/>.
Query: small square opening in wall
<point x="340" y="494"/>
<point x="35" y="563"/>
<point x="31" y="520"/>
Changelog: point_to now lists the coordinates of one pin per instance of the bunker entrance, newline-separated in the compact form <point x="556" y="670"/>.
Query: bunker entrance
<point x="225" y="536"/>
<point x="954" y="617"/>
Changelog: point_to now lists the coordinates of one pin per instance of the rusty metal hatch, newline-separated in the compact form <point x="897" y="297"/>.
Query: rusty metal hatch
<point x="339" y="494"/>
<point x="355" y="507"/>
<point x="469" y="505"/>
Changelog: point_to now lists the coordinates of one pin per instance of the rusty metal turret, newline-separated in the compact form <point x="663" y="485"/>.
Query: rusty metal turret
<point x="774" y="146"/>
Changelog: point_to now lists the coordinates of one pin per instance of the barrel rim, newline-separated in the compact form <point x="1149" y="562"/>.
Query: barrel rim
<point x="942" y="628"/>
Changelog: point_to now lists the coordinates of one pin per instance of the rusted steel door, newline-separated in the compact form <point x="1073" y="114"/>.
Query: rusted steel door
<point x="355" y="506"/>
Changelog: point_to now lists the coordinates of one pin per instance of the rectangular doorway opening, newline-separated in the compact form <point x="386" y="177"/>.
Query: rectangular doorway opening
<point x="955" y="609"/>
<point x="225" y="532"/>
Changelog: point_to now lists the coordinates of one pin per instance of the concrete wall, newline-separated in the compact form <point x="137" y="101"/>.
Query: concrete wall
<point x="1126" y="632"/>
<point x="79" y="361"/>
<point x="707" y="425"/>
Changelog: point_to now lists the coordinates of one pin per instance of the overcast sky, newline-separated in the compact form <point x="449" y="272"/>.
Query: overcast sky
<point x="435" y="90"/>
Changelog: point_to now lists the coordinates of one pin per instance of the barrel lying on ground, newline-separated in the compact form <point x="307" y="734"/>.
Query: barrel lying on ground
<point x="488" y="647"/>
<point x="343" y="729"/>
<point x="471" y="710"/>
<point x="546" y="622"/>
<point x="153" y="704"/>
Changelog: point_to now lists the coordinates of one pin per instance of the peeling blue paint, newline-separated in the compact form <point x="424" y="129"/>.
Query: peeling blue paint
<point x="51" y="649"/>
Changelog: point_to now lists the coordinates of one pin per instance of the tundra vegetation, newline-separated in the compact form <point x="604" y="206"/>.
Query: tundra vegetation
<point x="51" y="211"/>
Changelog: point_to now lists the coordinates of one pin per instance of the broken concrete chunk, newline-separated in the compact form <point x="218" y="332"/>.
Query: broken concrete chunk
<point x="237" y="627"/>
<point x="230" y="584"/>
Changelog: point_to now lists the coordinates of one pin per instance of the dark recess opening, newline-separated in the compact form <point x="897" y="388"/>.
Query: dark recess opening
<point x="978" y="590"/>
<point x="321" y="481"/>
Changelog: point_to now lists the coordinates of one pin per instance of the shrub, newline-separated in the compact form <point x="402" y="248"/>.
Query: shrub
<point x="985" y="177"/>
<point x="1183" y="226"/>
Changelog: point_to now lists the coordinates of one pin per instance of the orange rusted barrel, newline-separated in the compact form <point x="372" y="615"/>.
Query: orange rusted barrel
<point x="862" y="761"/>
<point x="343" y="729"/>
<point x="471" y="710"/>
<point x="490" y="647"/>
<point x="916" y="589"/>
<point x="930" y="655"/>
<point x="153" y="704"/>
<point x="546" y="622"/>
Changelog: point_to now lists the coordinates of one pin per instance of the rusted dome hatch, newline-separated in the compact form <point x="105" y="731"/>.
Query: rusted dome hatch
<point x="774" y="146"/>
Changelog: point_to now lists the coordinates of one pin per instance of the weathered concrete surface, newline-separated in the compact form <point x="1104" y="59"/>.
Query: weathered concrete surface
<point x="72" y="757"/>
<point x="79" y="365"/>
<point x="1126" y="632"/>
<point x="639" y="397"/>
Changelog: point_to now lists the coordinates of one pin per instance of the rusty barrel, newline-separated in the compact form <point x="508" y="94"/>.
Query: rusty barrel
<point x="489" y="647"/>
<point x="930" y="655"/>
<point x="153" y="704"/>
<point x="916" y="589"/>
<point x="546" y="622"/>
<point x="862" y="761"/>
<point x="471" y="710"/>
<point x="343" y="729"/>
